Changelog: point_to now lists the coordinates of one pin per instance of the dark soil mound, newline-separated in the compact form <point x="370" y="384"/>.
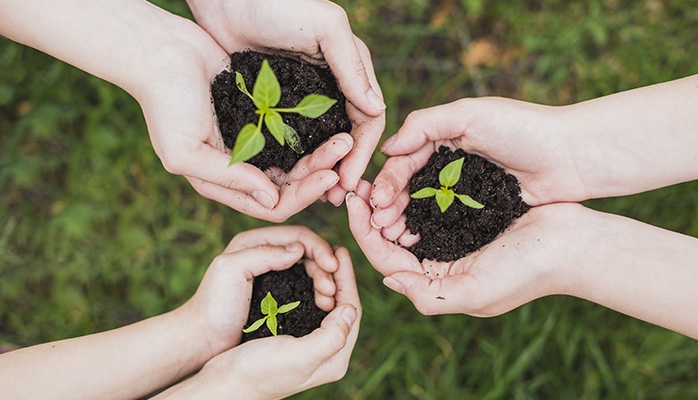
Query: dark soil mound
<point x="460" y="230"/>
<point x="297" y="79"/>
<point x="286" y="286"/>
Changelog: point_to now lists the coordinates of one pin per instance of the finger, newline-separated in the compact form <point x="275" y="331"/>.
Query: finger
<point x="388" y="216"/>
<point x="315" y="247"/>
<point x="394" y="231"/>
<point x="345" y="280"/>
<point x="407" y="239"/>
<point x="396" y="174"/>
<point x="258" y="260"/>
<point x="440" y="123"/>
<point x="336" y="195"/>
<point x="212" y="166"/>
<point x="341" y="50"/>
<point x="386" y="257"/>
<point x="330" y="346"/>
<point x="298" y="195"/>
<point x="323" y="158"/>
<point x="366" y="133"/>
<point x="323" y="283"/>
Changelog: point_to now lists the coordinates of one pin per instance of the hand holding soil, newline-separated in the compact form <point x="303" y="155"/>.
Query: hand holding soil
<point x="318" y="32"/>
<point x="295" y="364"/>
<point x="511" y="270"/>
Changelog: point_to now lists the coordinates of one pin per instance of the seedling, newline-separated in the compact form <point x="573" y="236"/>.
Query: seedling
<point x="270" y="310"/>
<point x="448" y="176"/>
<point x="266" y="94"/>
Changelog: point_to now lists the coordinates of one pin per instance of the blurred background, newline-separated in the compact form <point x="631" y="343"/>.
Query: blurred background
<point x="95" y="234"/>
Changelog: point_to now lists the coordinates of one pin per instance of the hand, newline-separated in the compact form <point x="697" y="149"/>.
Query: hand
<point x="222" y="301"/>
<point x="277" y="367"/>
<point x="516" y="135"/>
<point x="519" y="266"/>
<point x="320" y="30"/>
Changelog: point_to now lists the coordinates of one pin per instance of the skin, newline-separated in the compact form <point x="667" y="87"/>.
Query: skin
<point x="167" y="64"/>
<point x="319" y="31"/>
<point x="245" y="372"/>
<point x="138" y="359"/>
<point x="615" y="145"/>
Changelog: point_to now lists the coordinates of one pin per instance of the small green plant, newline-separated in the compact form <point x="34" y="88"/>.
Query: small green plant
<point x="449" y="176"/>
<point x="266" y="94"/>
<point x="270" y="310"/>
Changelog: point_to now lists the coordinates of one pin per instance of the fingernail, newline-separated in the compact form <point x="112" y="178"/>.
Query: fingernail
<point x="293" y="247"/>
<point x="374" y="224"/>
<point x="388" y="144"/>
<point x="370" y="202"/>
<point x="394" y="285"/>
<point x="349" y="315"/>
<point x="350" y="146"/>
<point x="375" y="100"/>
<point x="349" y="195"/>
<point x="338" y="204"/>
<point x="263" y="198"/>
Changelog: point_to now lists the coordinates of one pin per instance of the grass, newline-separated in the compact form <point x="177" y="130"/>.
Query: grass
<point x="94" y="234"/>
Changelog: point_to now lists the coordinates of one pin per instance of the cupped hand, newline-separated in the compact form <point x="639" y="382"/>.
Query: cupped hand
<point x="221" y="304"/>
<point x="279" y="366"/>
<point x="523" y="138"/>
<point x="318" y="30"/>
<point x="176" y="102"/>
<point x="520" y="265"/>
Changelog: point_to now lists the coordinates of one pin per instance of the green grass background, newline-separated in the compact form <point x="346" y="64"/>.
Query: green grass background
<point x="95" y="234"/>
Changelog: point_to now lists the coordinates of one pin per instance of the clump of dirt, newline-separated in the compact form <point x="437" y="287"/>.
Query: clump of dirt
<point x="297" y="79"/>
<point x="461" y="229"/>
<point x="286" y="286"/>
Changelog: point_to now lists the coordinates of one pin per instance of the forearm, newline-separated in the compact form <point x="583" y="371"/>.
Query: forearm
<point x="128" y="362"/>
<point x="636" y="140"/>
<point x="114" y="40"/>
<point x="637" y="269"/>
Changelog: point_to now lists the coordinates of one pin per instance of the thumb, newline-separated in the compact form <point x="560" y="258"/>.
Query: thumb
<point x="442" y="122"/>
<point x="328" y="340"/>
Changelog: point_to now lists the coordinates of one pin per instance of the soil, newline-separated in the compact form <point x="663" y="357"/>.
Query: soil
<point x="298" y="79"/>
<point x="461" y="230"/>
<point x="286" y="286"/>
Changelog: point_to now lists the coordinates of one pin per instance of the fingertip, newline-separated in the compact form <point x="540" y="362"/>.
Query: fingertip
<point x="375" y="101"/>
<point x="349" y="315"/>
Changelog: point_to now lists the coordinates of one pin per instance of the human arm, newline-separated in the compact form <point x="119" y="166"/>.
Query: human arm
<point x="620" y="144"/>
<point x="320" y="31"/>
<point x="276" y="367"/>
<point x="564" y="248"/>
<point x="137" y="359"/>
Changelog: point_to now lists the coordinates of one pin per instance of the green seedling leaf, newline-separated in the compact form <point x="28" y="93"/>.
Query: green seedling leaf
<point x="258" y="323"/>
<point x="424" y="193"/>
<point x="240" y="83"/>
<point x="276" y="126"/>
<point x="288" y="307"/>
<point x="270" y="309"/>
<point x="450" y="174"/>
<point x="292" y="139"/>
<point x="272" y="324"/>
<point x="444" y="199"/>
<point x="269" y="305"/>
<point x="248" y="144"/>
<point x="468" y="201"/>
<point x="266" y="92"/>
<point x="313" y="105"/>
